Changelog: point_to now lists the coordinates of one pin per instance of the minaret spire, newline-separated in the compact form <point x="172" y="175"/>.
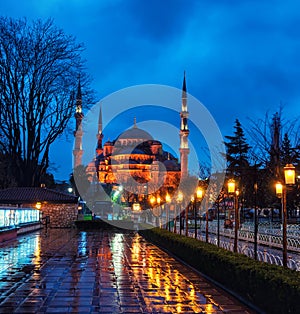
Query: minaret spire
<point x="184" y="83"/>
<point x="184" y="132"/>
<point x="79" y="97"/>
<point x="100" y="125"/>
<point x="99" y="148"/>
<point x="78" y="133"/>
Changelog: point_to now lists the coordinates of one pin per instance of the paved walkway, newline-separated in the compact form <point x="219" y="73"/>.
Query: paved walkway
<point x="66" y="271"/>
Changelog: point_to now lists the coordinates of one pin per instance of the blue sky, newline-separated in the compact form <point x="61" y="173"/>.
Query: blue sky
<point x="241" y="57"/>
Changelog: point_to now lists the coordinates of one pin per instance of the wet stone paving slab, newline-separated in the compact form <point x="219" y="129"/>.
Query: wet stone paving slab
<point x="70" y="271"/>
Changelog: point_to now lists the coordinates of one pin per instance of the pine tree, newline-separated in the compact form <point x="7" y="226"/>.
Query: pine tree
<point x="286" y="151"/>
<point x="237" y="151"/>
<point x="238" y="166"/>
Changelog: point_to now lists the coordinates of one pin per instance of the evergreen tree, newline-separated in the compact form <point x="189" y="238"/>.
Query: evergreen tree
<point x="238" y="166"/>
<point x="289" y="155"/>
<point x="237" y="150"/>
<point x="286" y="151"/>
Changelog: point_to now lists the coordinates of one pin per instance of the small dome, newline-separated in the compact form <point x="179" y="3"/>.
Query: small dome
<point x="155" y="142"/>
<point x="108" y="143"/>
<point x="171" y="165"/>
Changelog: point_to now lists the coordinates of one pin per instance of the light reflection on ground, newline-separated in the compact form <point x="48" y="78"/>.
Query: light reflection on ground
<point x="101" y="272"/>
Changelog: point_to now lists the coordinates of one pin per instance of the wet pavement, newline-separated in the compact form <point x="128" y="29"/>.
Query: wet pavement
<point x="68" y="271"/>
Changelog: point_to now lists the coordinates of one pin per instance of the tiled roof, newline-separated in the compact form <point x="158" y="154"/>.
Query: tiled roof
<point x="31" y="194"/>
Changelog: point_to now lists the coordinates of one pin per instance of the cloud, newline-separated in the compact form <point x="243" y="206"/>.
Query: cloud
<point x="241" y="57"/>
<point x="160" y="20"/>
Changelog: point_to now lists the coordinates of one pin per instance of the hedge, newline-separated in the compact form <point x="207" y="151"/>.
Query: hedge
<point x="272" y="288"/>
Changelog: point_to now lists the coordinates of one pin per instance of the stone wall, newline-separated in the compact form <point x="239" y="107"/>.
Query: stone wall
<point x="61" y="215"/>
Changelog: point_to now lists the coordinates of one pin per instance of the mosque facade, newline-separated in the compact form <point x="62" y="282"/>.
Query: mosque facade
<point x="134" y="156"/>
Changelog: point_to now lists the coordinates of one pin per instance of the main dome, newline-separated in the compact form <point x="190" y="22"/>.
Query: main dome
<point x="135" y="133"/>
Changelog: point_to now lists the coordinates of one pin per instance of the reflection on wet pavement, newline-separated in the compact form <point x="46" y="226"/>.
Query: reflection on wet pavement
<point x="67" y="271"/>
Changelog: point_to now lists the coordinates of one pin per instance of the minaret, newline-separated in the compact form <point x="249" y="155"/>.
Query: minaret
<point x="99" y="148"/>
<point x="184" y="132"/>
<point x="77" y="151"/>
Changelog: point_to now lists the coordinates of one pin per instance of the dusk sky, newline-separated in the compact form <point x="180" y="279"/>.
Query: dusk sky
<point x="242" y="58"/>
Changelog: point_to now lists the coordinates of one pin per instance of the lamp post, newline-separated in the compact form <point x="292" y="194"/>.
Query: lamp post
<point x="218" y="221"/>
<point x="152" y="201"/>
<point x="289" y="179"/>
<point x="198" y="195"/>
<point x="232" y="190"/>
<point x="255" y="222"/>
<point x="186" y="220"/>
<point x="168" y="200"/>
<point x="159" y="212"/>
<point x="206" y="220"/>
<point x="175" y="218"/>
<point x="179" y="201"/>
<point x="156" y="210"/>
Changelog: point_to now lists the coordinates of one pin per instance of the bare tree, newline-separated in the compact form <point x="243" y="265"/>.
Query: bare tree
<point x="266" y="136"/>
<point x="275" y="141"/>
<point x="39" y="69"/>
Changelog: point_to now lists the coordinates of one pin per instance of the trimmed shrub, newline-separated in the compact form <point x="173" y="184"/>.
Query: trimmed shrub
<point x="272" y="288"/>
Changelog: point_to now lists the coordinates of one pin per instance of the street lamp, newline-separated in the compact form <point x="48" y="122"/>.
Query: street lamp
<point x="154" y="210"/>
<point x="232" y="190"/>
<point x="289" y="179"/>
<point x="179" y="201"/>
<point x="38" y="205"/>
<point x="289" y="174"/>
<point x="198" y="195"/>
<point x="158" y="200"/>
<point x="168" y="200"/>
<point x="231" y="186"/>
<point x="255" y="221"/>
<point x="218" y="220"/>
<point x="152" y="200"/>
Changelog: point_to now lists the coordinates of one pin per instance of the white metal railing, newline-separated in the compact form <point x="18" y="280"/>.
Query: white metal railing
<point x="264" y="237"/>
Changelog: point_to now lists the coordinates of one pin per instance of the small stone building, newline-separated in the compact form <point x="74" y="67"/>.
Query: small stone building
<point x="61" y="208"/>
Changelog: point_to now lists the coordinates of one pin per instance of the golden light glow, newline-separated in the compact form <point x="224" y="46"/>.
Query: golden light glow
<point x="158" y="200"/>
<point x="289" y="174"/>
<point x="167" y="291"/>
<point x="278" y="187"/>
<point x="179" y="197"/>
<point x="168" y="198"/>
<point x="152" y="200"/>
<point x="199" y="192"/>
<point x="209" y="308"/>
<point x="38" y="205"/>
<point x="136" y="207"/>
<point x="231" y="186"/>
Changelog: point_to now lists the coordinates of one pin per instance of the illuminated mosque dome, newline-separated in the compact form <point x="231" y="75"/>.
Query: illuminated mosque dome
<point x="135" y="133"/>
<point x="133" y="152"/>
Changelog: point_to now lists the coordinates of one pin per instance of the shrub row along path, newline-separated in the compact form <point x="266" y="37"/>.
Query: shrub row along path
<point x="70" y="271"/>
